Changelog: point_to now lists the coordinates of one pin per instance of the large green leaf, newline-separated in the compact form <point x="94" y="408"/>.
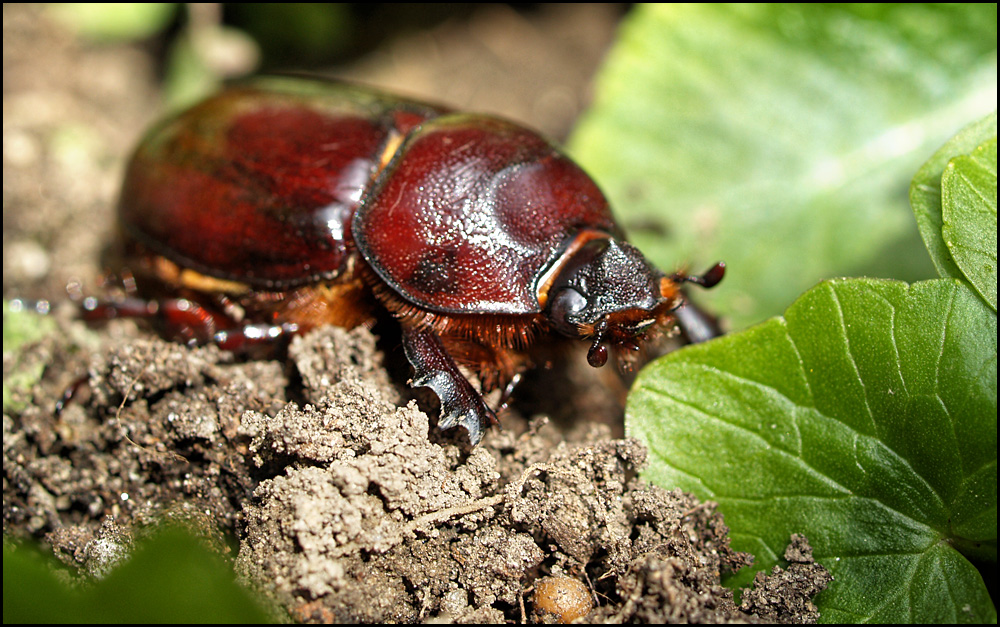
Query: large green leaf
<point x="865" y="418"/>
<point x="777" y="137"/>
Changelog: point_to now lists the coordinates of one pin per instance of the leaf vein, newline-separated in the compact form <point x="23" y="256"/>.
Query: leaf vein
<point x="895" y="344"/>
<point x="808" y="383"/>
<point x="821" y="476"/>
<point x="850" y="356"/>
<point x="977" y="190"/>
<point x="937" y="379"/>
<point x="709" y="416"/>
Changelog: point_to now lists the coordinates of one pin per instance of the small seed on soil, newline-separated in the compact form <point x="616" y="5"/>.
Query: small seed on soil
<point x="562" y="599"/>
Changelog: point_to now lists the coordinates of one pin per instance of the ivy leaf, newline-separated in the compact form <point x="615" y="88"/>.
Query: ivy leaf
<point x="865" y="418"/>
<point x="926" y="194"/>
<point x="969" y="199"/>
<point x="775" y="137"/>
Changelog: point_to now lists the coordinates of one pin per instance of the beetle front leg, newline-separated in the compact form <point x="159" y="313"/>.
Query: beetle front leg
<point x="433" y="367"/>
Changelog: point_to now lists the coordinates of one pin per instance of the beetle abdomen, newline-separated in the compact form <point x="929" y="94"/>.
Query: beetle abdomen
<point x="258" y="184"/>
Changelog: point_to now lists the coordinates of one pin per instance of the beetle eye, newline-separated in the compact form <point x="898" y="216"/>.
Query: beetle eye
<point x="567" y="304"/>
<point x="569" y="301"/>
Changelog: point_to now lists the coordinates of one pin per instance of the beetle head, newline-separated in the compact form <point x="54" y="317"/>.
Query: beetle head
<point x="607" y="292"/>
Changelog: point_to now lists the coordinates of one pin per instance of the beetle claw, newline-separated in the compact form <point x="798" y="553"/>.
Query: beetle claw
<point x="433" y="367"/>
<point x="460" y="410"/>
<point x="470" y="418"/>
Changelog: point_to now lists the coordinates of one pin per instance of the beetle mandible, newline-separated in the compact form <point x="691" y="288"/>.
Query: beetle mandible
<point x="282" y="204"/>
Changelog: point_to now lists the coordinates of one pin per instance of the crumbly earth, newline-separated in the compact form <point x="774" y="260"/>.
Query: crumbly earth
<point x="347" y="504"/>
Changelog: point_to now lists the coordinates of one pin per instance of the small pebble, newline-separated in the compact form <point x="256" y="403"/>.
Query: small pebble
<point x="561" y="599"/>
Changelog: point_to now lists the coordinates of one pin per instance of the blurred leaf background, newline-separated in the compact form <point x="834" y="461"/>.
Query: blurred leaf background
<point x="782" y="138"/>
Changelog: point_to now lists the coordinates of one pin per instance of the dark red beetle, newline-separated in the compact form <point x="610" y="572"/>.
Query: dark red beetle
<point x="288" y="203"/>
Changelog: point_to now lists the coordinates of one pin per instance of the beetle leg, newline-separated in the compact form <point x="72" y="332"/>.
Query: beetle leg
<point x="249" y="335"/>
<point x="188" y="321"/>
<point x="181" y="319"/>
<point x="70" y="393"/>
<point x="696" y="324"/>
<point x="508" y="392"/>
<point x="433" y="367"/>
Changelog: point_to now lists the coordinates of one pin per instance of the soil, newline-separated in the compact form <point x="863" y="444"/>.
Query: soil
<point x="348" y="505"/>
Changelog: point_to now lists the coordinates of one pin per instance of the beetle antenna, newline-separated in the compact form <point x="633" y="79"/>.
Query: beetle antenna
<point x="708" y="280"/>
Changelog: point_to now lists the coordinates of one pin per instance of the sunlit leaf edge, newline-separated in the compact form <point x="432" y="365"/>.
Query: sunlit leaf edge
<point x="925" y="191"/>
<point x="969" y="213"/>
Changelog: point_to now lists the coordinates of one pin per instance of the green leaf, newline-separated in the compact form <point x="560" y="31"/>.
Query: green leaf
<point x="969" y="199"/>
<point x="172" y="578"/>
<point x="865" y="418"/>
<point x="188" y="76"/>
<point x="21" y="327"/>
<point x="775" y="137"/>
<point x="123" y="21"/>
<point x="925" y="191"/>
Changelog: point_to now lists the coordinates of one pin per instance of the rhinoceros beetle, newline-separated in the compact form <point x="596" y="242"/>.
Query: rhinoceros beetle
<point x="282" y="204"/>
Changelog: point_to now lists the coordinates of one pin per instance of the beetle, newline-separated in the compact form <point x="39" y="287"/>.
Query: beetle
<point x="285" y="203"/>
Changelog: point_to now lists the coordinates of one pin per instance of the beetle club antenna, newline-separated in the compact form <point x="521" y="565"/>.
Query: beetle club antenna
<point x="708" y="280"/>
<point x="696" y="324"/>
